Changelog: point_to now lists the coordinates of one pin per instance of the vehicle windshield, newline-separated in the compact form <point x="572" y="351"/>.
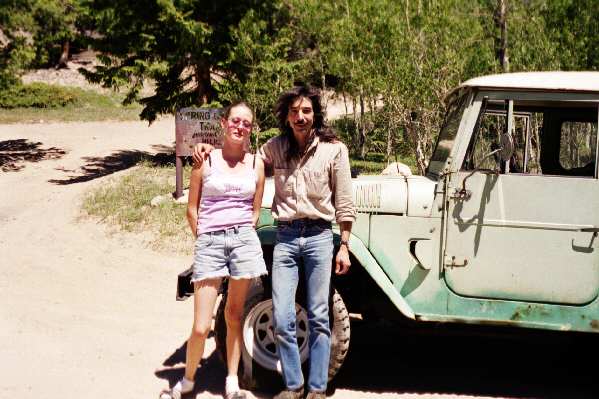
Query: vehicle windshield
<point x="447" y="136"/>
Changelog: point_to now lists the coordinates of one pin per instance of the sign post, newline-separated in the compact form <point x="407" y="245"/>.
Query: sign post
<point x="194" y="125"/>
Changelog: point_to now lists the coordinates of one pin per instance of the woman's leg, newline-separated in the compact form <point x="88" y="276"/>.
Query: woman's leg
<point x="205" y="294"/>
<point x="233" y="312"/>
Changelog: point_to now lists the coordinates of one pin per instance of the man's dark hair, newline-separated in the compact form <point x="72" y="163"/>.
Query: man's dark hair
<point x="321" y="129"/>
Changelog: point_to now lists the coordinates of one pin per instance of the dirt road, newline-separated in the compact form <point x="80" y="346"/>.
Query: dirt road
<point x="88" y="314"/>
<point x="83" y="314"/>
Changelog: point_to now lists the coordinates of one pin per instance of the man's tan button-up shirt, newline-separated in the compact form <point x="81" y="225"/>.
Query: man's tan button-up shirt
<point x="317" y="185"/>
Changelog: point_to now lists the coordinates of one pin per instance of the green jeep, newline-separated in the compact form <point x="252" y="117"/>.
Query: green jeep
<point x="502" y="229"/>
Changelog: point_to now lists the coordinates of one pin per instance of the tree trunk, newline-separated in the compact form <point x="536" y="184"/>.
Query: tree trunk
<point x="204" y="84"/>
<point x="356" y="135"/>
<point x="501" y="46"/>
<point x="416" y="143"/>
<point x="407" y="9"/>
<point x="64" y="55"/>
<point x="322" y="74"/>
<point x="390" y="137"/>
<point x="361" y="130"/>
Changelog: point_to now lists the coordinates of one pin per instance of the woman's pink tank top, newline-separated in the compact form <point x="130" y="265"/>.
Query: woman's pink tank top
<point x="227" y="199"/>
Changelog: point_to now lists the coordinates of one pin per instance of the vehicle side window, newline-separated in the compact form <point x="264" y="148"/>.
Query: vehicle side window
<point x="486" y="141"/>
<point x="578" y="143"/>
<point x="547" y="138"/>
<point x="483" y="151"/>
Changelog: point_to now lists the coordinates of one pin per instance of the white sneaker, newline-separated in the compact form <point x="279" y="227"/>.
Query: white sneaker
<point x="180" y="388"/>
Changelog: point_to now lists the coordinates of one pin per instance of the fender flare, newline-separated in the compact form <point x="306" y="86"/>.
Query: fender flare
<point x="360" y="252"/>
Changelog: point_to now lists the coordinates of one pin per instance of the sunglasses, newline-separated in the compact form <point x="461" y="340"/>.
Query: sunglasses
<point x="244" y="122"/>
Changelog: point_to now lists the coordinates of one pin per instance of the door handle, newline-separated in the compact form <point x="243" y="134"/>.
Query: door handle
<point x="455" y="261"/>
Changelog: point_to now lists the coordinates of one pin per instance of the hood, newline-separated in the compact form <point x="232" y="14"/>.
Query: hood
<point x="412" y="195"/>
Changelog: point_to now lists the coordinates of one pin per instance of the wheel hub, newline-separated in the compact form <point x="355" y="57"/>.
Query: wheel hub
<point x="259" y="335"/>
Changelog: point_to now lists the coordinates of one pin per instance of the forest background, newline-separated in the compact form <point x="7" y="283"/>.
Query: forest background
<point x="391" y="62"/>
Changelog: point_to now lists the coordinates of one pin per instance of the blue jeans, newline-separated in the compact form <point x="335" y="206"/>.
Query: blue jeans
<point x="314" y="244"/>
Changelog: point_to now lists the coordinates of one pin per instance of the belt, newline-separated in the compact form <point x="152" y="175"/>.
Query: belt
<point x="235" y="228"/>
<point x="305" y="222"/>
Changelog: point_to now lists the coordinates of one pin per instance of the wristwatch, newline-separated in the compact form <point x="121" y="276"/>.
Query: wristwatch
<point x="344" y="242"/>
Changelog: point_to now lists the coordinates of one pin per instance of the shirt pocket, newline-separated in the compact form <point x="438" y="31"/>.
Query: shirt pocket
<point x="283" y="182"/>
<point x="317" y="184"/>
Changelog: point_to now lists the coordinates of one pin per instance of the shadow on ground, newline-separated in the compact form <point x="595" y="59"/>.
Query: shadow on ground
<point x="420" y="362"/>
<point x="441" y="360"/>
<point x="96" y="167"/>
<point x="15" y="154"/>
<point x="210" y="376"/>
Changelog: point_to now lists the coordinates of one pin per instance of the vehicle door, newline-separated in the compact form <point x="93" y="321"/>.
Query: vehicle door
<point x="522" y="201"/>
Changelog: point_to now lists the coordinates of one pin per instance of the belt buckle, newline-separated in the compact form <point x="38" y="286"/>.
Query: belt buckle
<point x="235" y="229"/>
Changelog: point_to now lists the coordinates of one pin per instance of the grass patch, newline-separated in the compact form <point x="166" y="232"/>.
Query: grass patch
<point x="367" y="167"/>
<point x="124" y="202"/>
<point x="38" y="102"/>
<point x="375" y="163"/>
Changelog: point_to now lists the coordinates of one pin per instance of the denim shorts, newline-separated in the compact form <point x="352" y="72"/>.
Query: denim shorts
<point x="235" y="252"/>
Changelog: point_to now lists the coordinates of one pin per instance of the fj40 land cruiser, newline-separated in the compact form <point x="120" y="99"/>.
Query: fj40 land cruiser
<point x="502" y="229"/>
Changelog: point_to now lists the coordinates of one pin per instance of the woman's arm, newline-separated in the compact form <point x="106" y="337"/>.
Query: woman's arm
<point x="259" y="189"/>
<point x="195" y="193"/>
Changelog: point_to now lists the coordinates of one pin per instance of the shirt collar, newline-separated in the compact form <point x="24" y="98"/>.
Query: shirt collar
<point x="313" y="143"/>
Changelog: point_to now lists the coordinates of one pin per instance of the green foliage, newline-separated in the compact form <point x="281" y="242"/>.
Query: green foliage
<point x="56" y="20"/>
<point x="362" y="167"/>
<point x="391" y="61"/>
<point x="196" y="52"/>
<point x="16" y="50"/>
<point x="33" y="34"/>
<point x="262" y="137"/>
<point x="38" y="95"/>
<point x="259" y="60"/>
<point x="573" y="27"/>
<point x="394" y="61"/>
<point x="38" y="101"/>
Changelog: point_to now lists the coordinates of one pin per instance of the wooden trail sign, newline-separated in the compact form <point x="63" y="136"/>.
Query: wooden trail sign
<point x="192" y="126"/>
<point x="197" y="125"/>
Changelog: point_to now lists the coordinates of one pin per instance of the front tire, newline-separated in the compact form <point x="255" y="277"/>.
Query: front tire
<point x="260" y="365"/>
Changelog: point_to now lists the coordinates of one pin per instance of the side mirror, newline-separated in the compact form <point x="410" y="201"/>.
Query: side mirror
<point x="504" y="151"/>
<point x="506" y="147"/>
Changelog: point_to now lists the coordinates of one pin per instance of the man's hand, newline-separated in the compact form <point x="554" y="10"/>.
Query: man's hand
<point x="342" y="262"/>
<point x="201" y="151"/>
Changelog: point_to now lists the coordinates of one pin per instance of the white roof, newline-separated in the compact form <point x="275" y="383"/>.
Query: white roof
<point x="569" y="81"/>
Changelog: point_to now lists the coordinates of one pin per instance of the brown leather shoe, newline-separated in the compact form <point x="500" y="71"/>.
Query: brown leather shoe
<point x="235" y="395"/>
<point x="289" y="394"/>
<point x="316" y="395"/>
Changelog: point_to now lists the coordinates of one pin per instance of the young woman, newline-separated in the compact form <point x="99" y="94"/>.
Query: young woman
<point x="225" y="195"/>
